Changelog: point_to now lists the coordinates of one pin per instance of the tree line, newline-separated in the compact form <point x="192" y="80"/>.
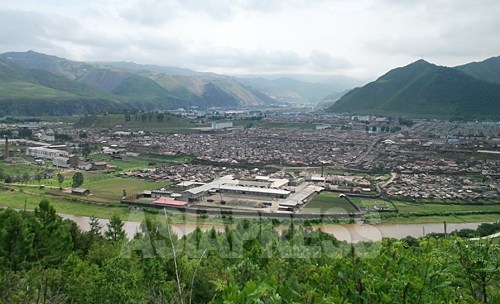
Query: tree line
<point x="46" y="259"/>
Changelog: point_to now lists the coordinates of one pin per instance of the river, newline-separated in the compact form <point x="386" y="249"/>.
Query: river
<point x="349" y="232"/>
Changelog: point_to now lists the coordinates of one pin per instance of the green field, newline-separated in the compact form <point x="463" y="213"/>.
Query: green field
<point x="112" y="189"/>
<point x="17" y="199"/>
<point x="170" y="123"/>
<point x="328" y="202"/>
<point x="406" y="207"/>
<point x="369" y="203"/>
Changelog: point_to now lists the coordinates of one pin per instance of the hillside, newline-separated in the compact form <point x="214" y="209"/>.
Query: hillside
<point x="37" y="92"/>
<point x="331" y="99"/>
<point x="487" y="70"/>
<point x="126" y="85"/>
<point x="422" y="89"/>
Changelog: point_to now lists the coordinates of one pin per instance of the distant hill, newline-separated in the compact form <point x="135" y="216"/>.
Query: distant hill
<point x="291" y="90"/>
<point x="331" y="99"/>
<point x="46" y="79"/>
<point x="487" y="70"/>
<point x="38" y="92"/>
<point x="422" y="89"/>
<point x="155" y="68"/>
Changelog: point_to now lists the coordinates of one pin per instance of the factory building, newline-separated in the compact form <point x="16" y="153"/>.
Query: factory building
<point x="266" y="188"/>
<point x="42" y="152"/>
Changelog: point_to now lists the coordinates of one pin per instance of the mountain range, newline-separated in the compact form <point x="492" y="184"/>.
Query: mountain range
<point x="423" y="89"/>
<point x="33" y="83"/>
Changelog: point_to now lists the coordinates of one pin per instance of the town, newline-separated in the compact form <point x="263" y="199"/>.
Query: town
<point x="271" y="161"/>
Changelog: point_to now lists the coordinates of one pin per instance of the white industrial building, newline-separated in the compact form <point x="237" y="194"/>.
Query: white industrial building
<point x="218" y="125"/>
<point x="266" y="188"/>
<point x="42" y="152"/>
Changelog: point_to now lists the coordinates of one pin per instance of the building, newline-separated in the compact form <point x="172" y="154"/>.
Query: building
<point x="229" y="185"/>
<point x="169" y="202"/>
<point x="216" y="125"/>
<point x="84" y="166"/>
<point x="323" y="127"/>
<point x="99" y="166"/>
<point x="48" y="153"/>
<point x="254" y="191"/>
<point x="61" y="162"/>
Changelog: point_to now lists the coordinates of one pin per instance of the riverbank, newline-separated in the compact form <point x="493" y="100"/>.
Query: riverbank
<point x="351" y="233"/>
<point x="29" y="199"/>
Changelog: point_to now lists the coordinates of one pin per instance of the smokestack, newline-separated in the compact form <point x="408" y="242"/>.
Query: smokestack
<point x="6" y="152"/>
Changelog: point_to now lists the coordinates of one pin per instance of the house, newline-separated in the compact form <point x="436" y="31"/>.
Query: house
<point x="100" y="166"/>
<point x="84" y="166"/>
<point x="61" y="162"/>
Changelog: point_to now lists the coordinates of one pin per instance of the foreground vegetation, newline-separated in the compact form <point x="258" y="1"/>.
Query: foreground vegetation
<point x="44" y="259"/>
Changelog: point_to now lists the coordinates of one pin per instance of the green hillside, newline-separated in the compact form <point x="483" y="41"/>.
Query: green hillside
<point x="487" y="70"/>
<point x="422" y="89"/>
<point x="128" y="86"/>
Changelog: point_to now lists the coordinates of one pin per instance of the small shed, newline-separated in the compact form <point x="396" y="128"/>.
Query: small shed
<point x="169" y="202"/>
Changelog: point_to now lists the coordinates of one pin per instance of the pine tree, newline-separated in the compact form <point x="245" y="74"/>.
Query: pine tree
<point x="115" y="230"/>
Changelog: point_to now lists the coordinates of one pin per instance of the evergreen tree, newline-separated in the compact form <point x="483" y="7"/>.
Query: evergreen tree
<point x="95" y="226"/>
<point x="114" y="229"/>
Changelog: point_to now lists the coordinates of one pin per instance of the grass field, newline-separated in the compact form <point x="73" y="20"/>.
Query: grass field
<point x="406" y="207"/>
<point x="32" y="197"/>
<point x="112" y="189"/>
<point x="328" y="202"/>
<point x="369" y="203"/>
<point x="170" y="123"/>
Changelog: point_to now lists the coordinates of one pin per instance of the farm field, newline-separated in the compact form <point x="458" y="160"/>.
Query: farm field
<point x="328" y="202"/>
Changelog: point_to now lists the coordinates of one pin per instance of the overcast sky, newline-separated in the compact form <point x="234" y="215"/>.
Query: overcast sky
<point x="358" y="38"/>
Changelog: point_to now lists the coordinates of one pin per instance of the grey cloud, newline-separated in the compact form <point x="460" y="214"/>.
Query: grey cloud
<point x="151" y="12"/>
<point x="323" y="61"/>
<point x="233" y="58"/>
<point x="30" y="30"/>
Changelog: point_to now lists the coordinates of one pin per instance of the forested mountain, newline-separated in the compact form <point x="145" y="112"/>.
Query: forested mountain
<point x="422" y="89"/>
<point x="60" y="86"/>
<point x="45" y="259"/>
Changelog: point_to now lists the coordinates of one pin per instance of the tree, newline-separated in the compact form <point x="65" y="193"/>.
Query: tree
<point x="60" y="179"/>
<point x="160" y="117"/>
<point x="115" y="230"/>
<point x="25" y="177"/>
<point x="15" y="240"/>
<point x="86" y="150"/>
<point x="77" y="180"/>
<point x="2" y="174"/>
<point x="38" y="177"/>
<point x="25" y="133"/>
<point x="95" y="226"/>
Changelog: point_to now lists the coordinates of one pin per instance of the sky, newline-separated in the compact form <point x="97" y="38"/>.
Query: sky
<point x="362" y="39"/>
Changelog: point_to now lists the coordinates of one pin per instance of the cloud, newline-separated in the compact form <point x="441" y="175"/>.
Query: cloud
<point x="362" y="38"/>
<point x="325" y="62"/>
